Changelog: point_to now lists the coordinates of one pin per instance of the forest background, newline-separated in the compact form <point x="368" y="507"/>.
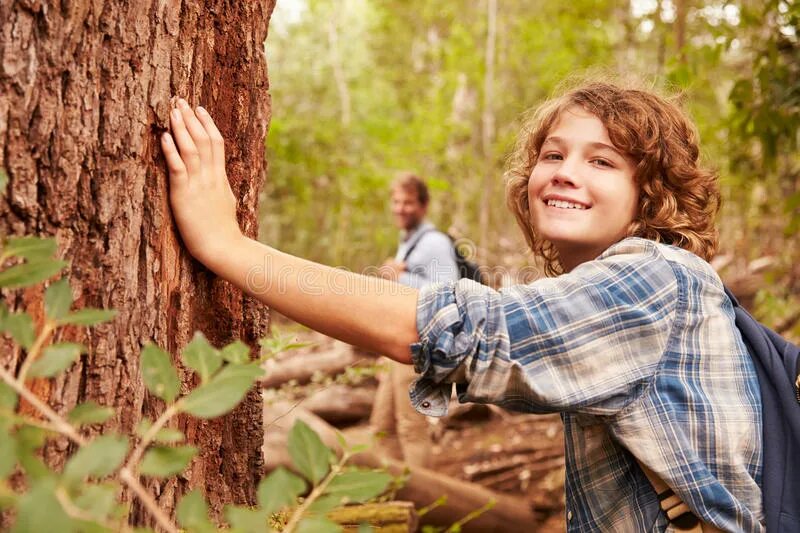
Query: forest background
<point x="363" y="89"/>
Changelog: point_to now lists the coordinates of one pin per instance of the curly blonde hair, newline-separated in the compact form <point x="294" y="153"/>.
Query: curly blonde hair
<point x="678" y="198"/>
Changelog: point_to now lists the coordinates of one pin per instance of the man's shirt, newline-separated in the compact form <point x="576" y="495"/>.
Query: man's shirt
<point x="432" y="258"/>
<point x="639" y="352"/>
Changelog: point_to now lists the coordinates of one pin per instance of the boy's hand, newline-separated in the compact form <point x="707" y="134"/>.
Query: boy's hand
<point x="202" y="202"/>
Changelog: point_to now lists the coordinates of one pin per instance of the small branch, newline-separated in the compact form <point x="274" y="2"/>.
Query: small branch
<point x="150" y="504"/>
<point x="63" y="427"/>
<point x="73" y="511"/>
<point x="59" y="424"/>
<point x="147" y="438"/>
<point x="33" y="354"/>
<point x="316" y="493"/>
<point x="471" y="516"/>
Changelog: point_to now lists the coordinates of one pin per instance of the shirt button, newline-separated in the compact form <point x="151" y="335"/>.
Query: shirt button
<point x="426" y="404"/>
<point x="569" y="515"/>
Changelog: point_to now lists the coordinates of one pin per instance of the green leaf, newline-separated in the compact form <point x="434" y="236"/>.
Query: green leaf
<point x="165" y="435"/>
<point x="201" y="357"/>
<point x="279" y="489"/>
<point x="223" y="392"/>
<point x="192" y="513"/>
<point x="56" y="358"/>
<point x="325" y="503"/>
<point x="29" y="440"/>
<point x="31" y="248"/>
<point x="163" y="461"/>
<point x="89" y="413"/>
<point x="318" y="524"/>
<point x="309" y="454"/>
<point x="364" y="528"/>
<point x="20" y="327"/>
<point x="98" y="459"/>
<point x="8" y="397"/>
<point x="236" y="352"/>
<point x="58" y="299"/>
<point x="99" y="501"/>
<point x="88" y="316"/>
<point x="8" y="455"/>
<point x="158" y="374"/>
<point x="38" y="510"/>
<point x="247" y="520"/>
<point x="359" y="485"/>
<point x="30" y="273"/>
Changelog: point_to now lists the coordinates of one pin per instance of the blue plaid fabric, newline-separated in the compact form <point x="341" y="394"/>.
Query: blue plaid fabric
<point x="639" y="353"/>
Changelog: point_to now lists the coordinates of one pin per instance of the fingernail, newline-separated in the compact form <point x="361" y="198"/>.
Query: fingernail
<point x="176" y="114"/>
<point x="167" y="138"/>
<point x="183" y="103"/>
<point x="201" y="110"/>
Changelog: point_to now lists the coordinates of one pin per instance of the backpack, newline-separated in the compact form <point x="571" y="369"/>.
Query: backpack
<point x="777" y="363"/>
<point x="466" y="268"/>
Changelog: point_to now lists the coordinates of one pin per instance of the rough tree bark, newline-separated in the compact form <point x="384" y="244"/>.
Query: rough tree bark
<point x="84" y="91"/>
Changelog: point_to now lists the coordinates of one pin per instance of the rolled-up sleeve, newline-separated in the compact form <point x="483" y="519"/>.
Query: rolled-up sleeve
<point x="588" y="341"/>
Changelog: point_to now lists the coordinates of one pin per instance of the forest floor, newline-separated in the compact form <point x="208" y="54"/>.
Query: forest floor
<point x="516" y="454"/>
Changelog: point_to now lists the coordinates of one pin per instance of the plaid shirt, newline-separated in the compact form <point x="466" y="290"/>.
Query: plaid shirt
<point x="639" y="352"/>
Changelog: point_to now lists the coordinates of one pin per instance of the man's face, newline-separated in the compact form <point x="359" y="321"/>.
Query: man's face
<point x="407" y="210"/>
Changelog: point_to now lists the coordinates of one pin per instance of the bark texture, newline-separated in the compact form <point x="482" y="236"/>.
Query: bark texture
<point x="84" y="92"/>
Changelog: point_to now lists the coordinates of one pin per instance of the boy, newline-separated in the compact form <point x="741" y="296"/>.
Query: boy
<point x="633" y="340"/>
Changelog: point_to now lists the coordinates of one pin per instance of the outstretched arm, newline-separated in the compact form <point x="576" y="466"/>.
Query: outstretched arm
<point x="376" y="314"/>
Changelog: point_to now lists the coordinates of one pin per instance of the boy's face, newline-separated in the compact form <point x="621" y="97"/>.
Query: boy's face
<point x="581" y="192"/>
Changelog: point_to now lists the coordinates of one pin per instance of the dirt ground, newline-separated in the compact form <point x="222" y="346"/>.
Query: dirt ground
<point x="512" y="453"/>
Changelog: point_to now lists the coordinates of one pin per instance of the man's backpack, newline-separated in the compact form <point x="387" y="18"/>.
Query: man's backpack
<point x="777" y="363"/>
<point x="466" y="268"/>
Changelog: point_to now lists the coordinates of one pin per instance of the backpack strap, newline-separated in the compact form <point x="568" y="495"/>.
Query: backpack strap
<point x="678" y="513"/>
<point x="416" y="242"/>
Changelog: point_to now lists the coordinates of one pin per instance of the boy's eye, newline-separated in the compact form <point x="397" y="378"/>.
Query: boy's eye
<point x="602" y="162"/>
<point x="551" y="156"/>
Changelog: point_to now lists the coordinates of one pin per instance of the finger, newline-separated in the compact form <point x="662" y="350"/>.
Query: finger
<point x="177" y="170"/>
<point x="184" y="142"/>
<point x="217" y="141"/>
<point x="198" y="133"/>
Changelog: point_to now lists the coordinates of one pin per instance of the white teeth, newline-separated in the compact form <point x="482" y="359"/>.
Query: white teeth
<point x="564" y="204"/>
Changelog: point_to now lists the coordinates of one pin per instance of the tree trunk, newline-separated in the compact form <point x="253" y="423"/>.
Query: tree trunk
<point x="84" y="92"/>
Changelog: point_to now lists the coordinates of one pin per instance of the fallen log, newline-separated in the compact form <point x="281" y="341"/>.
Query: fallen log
<point x="302" y="367"/>
<point x="422" y="486"/>
<point x="388" y="517"/>
<point x="340" y="404"/>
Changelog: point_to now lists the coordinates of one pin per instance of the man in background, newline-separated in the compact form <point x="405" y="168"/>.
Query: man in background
<point x="424" y="256"/>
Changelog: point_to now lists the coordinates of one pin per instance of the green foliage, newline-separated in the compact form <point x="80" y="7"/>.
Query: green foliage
<point x="97" y="459"/>
<point x="224" y="392"/>
<point x="89" y="413"/>
<point x="201" y="357"/>
<point x="74" y="500"/>
<point x="165" y="461"/>
<point x="311" y="457"/>
<point x="159" y="376"/>
<point x="56" y="358"/>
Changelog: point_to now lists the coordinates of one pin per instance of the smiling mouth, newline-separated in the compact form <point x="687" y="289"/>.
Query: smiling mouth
<point x="563" y="204"/>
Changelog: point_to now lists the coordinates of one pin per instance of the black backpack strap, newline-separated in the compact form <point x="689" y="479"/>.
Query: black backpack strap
<point x="411" y="249"/>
